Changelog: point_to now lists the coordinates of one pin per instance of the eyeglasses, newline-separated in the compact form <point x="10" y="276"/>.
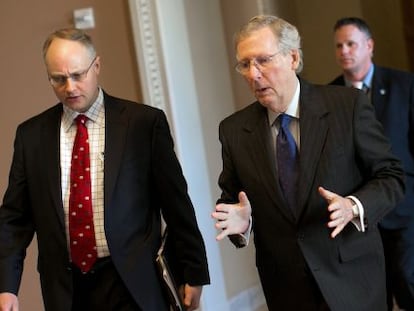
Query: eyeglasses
<point x="260" y="62"/>
<point x="60" y="80"/>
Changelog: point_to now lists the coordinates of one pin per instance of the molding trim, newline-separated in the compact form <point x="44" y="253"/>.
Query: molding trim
<point x="148" y="52"/>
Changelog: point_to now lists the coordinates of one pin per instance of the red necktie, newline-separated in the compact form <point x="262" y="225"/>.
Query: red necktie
<point x="81" y="229"/>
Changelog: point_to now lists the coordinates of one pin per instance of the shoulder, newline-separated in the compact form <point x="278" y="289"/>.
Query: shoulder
<point x="393" y="74"/>
<point x="251" y="112"/>
<point x="337" y="100"/>
<point x="310" y="91"/>
<point x="48" y="117"/>
<point x="131" y="108"/>
<point x="339" y="80"/>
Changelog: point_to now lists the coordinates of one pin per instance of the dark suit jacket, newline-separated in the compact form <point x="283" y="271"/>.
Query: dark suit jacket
<point x="392" y="94"/>
<point x="342" y="149"/>
<point x="142" y="176"/>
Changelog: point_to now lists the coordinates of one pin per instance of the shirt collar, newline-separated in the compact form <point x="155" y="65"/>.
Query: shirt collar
<point x="367" y="79"/>
<point x="292" y="110"/>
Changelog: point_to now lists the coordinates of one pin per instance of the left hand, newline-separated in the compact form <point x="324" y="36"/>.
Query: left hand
<point x="191" y="296"/>
<point x="340" y="209"/>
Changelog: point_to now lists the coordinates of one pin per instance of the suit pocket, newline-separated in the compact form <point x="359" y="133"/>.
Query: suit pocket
<point x="359" y="244"/>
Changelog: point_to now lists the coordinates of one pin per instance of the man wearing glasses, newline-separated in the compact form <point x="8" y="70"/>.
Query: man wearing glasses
<point x="90" y="177"/>
<point x="308" y="169"/>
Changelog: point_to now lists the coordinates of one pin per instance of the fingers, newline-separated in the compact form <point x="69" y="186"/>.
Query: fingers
<point x="245" y="203"/>
<point x="243" y="198"/>
<point x="222" y="235"/>
<point x="188" y="300"/>
<point x="339" y="216"/>
<point x="222" y="208"/>
<point x="326" y="194"/>
<point x="192" y="297"/>
<point x="220" y="216"/>
<point x="232" y="218"/>
<point x="337" y="222"/>
<point x="336" y="231"/>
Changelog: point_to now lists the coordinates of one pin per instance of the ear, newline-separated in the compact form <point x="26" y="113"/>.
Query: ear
<point x="295" y="59"/>
<point x="97" y="65"/>
<point x="370" y="45"/>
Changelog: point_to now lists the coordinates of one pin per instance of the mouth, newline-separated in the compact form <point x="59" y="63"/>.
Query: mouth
<point x="72" y="98"/>
<point x="346" y="60"/>
<point x="261" y="90"/>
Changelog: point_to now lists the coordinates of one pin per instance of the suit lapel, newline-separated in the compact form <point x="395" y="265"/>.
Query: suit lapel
<point x="257" y="128"/>
<point x="116" y="123"/>
<point x="50" y="134"/>
<point x="379" y="94"/>
<point x="313" y="133"/>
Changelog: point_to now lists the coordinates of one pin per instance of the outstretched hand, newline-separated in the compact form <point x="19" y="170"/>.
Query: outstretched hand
<point x="233" y="218"/>
<point x="340" y="209"/>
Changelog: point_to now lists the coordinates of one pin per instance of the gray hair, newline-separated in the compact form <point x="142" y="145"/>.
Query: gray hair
<point x="287" y="34"/>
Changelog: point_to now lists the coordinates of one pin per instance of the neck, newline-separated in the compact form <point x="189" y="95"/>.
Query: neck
<point x="357" y="74"/>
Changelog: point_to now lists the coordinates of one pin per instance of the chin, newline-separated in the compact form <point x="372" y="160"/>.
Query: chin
<point x="78" y="107"/>
<point x="265" y="103"/>
<point x="265" y="100"/>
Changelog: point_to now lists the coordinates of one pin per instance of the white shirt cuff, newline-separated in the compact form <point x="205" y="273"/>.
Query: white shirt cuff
<point x="245" y="236"/>
<point x="358" y="222"/>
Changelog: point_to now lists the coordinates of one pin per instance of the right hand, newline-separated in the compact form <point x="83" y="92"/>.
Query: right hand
<point x="8" y="302"/>
<point x="233" y="218"/>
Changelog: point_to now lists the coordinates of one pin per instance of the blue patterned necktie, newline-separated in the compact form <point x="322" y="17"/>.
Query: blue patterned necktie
<point x="287" y="161"/>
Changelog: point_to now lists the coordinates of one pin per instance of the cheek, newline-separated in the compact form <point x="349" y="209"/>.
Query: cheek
<point x="250" y="82"/>
<point x="60" y="93"/>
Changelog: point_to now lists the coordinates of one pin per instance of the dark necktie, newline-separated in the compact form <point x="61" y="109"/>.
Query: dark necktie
<point x="365" y="88"/>
<point x="81" y="229"/>
<point x="287" y="161"/>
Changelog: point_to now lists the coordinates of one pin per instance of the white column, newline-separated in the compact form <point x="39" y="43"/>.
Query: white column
<point x="168" y="82"/>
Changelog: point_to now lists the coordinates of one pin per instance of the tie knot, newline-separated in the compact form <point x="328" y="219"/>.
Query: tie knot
<point x="81" y="119"/>
<point x="284" y="120"/>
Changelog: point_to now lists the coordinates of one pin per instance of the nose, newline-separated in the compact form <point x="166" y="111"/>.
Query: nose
<point x="69" y="85"/>
<point x="343" y="49"/>
<point x="253" y="72"/>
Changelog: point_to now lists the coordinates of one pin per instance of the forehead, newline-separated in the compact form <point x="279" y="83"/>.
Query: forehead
<point x="63" y="50"/>
<point x="258" y="42"/>
<point x="349" y="32"/>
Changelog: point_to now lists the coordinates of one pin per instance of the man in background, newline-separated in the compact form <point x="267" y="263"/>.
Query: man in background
<point x="391" y="92"/>
<point x="91" y="176"/>
<point x="311" y="166"/>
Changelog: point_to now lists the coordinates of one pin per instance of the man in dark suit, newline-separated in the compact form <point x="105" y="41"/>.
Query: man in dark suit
<point x="392" y="94"/>
<point x="134" y="176"/>
<point x="320" y="249"/>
